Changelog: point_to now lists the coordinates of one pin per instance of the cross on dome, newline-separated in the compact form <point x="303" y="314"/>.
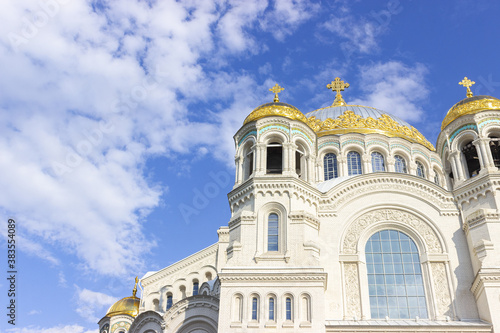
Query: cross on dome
<point x="467" y="83"/>
<point x="338" y="86"/>
<point x="276" y="90"/>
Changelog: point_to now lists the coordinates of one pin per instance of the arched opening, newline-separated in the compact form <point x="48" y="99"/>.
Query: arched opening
<point x="272" y="309"/>
<point x="420" y="170"/>
<point x="437" y="178"/>
<point x="305" y="309"/>
<point x="170" y="300"/>
<point x="395" y="283"/>
<point x="288" y="309"/>
<point x="156" y="305"/>
<point x="330" y="166"/>
<point x="400" y="164"/>
<point x="208" y="276"/>
<point x="255" y="309"/>
<point x="353" y="163"/>
<point x="196" y="287"/>
<point x="378" y="164"/>
<point x="300" y="163"/>
<point x="237" y="309"/>
<point x="274" y="163"/>
<point x="495" y="150"/>
<point x="182" y="290"/>
<point x="471" y="159"/>
<point x="273" y="232"/>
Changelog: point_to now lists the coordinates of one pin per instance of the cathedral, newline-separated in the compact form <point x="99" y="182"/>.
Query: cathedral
<point x="343" y="219"/>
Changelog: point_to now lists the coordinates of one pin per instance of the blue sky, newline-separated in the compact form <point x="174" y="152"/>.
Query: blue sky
<point x="115" y="115"/>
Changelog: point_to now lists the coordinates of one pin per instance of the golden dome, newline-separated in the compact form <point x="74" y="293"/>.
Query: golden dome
<point x="127" y="305"/>
<point x="362" y="119"/>
<point x="276" y="109"/>
<point x="470" y="105"/>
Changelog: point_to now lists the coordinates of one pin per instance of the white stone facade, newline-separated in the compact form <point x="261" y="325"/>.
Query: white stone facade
<point x="316" y="277"/>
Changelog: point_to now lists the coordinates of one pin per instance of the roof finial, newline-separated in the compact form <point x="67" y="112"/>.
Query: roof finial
<point x="276" y="89"/>
<point x="135" y="286"/>
<point x="338" y="86"/>
<point x="467" y="83"/>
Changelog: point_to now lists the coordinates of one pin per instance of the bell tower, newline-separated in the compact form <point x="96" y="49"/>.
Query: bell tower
<point x="469" y="148"/>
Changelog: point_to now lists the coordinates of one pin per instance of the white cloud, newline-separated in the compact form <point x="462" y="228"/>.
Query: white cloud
<point x="56" y="329"/>
<point x="395" y="88"/>
<point x="92" y="305"/>
<point x="87" y="97"/>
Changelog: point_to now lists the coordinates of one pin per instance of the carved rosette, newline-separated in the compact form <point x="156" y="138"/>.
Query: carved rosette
<point x="442" y="293"/>
<point x="353" y="298"/>
<point x="384" y="215"/>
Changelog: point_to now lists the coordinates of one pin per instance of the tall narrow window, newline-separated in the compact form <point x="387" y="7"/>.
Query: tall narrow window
<point x="378" y="164"/>
<point x="249" y="166"/>
<point x="273" y="232"/>
<point x="298" y="163"/>
<point x="271" y="309"/>
<point x="274" y="158"/>
<point x="395" y="283"/>
<point x="471" y="158"/>
<point x="169" y="301"/>
<point x="195" y="288"/>
<point x="420" y="170"/>
<point x="353" y="163"/>
<point x="330" y="166"/>
<point x="495" y="150"/>
<point x="399" y="164"/>
<point x="436" y="178"/>
<point x="288" y="308"/>
<point x="237" y="308"/>
<point x="255" y="307"/>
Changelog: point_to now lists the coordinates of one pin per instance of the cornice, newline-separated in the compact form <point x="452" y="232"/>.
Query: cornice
<point x="211" y="250"/>
<point x="484" y="279"/>
<point x="387" y="182"/>
<point x="477" y="186"/>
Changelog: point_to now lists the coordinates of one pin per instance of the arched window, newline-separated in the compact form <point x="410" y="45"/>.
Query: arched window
<point x="495" y="150"/>
<point x="248" y="164"/>
<point x="378" y="164"/>
<point x="471" y="159"/>
<point x="195" y="287"/>
<point x="288" y="308"/>
<point x="272" y="308"/>
<point x="273" y="232"/>
<point x="208" y="276"/>
<point x="353" y="163"/>
<point x="274" y="158"/>
<point x="237" y="309"/>
<point x="255" y="308"/>
<point x="182" y="289"/>
<point x="156" y="305"/>
<point x="420" y="170"/>
<point x="169" y="301"/>
<point x="395" y="282"/>
<point x="436" y="178"/>
<point x="400" y="164"/>
<point x="305" y="308"/>
<point x="330" y="166"/>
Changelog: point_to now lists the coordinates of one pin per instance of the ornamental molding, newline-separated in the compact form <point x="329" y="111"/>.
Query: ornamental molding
<point x="442" y="297"/>
<point x="405" y="184"/>
<point x="280" y="110"/>
<point x="485" y="279"/>
<point x="146" y="318"/>
<point x="480" y="217"/>
<point x="353" y="297"/>
<point x="479" y="186"/>
<point x="471" y="107"/>
<point x="360" y="224"/>
<point x="307" y="277"/>
<point x="207" y="302"/>
<point x="303" y="217"/>
<point x="168" y="271"/>
<point x="251" y="132"/>
<point x="120" y="324"/>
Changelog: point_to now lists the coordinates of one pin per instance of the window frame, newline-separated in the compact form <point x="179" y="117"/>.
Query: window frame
<point x="334" y="166"/>
<point x="403" y="164"/>
<point x="381" y="158"/>
<point x="359" y="163"/>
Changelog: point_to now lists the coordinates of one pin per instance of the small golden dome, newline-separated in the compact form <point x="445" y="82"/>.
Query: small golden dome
<point x="470" y="105"/>
<point x="127" y="305"/>
<point x="276" y="109"/>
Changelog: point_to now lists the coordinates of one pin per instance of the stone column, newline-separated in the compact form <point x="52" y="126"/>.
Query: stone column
<point x="365" y="160"/>
<point x="390" y="164"/>
<point x="480" y="154"/>
<point x="456" y="166"/>
<point x="239" y="169"/>
<point x="342" y="166"/>
<point x="260" y="159"/>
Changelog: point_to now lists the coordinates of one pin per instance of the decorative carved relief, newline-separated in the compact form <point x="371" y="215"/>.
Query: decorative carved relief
<point x="353" y="299"/>
<point x="442" y="293"/>
<point x="383" y="215"/>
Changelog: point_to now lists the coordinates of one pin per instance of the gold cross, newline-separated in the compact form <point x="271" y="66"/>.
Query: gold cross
<point x="467" y="83"/>
<point x="338" y="86"/>
<point x="276" y="90"/>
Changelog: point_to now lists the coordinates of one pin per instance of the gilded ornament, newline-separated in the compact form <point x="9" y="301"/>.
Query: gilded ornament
<point x="467" y="84"/>
<point x="276" y="90"/>
<point x="338" y="86"/>
<point x="350" y="122"/>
